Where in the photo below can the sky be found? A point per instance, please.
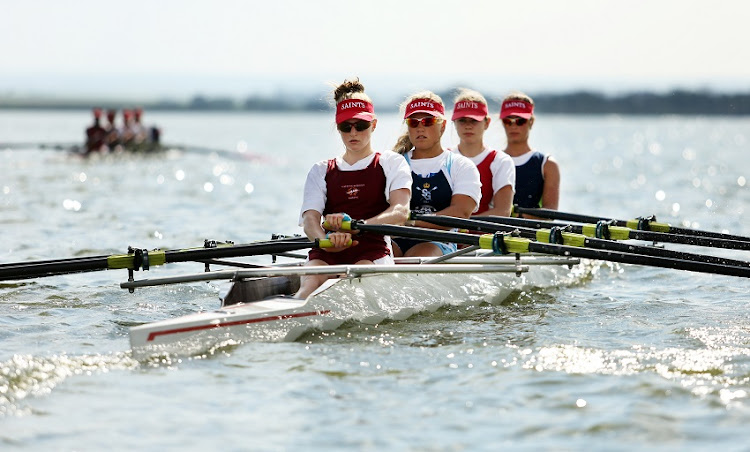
(180, 48)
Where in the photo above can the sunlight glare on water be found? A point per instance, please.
(648, 357)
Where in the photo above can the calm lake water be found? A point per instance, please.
(632, 357)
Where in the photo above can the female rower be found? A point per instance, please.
(366, 185)
(537, 174)
(496, 169)
(444, 183)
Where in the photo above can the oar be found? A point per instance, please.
(568, 235)
(645, 224)
(607, 231)
(505, 243)
(37, 145)
(138, 259)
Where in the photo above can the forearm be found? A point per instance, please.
(396, 214)
(312, 227)
(461, 206)
(502, 203)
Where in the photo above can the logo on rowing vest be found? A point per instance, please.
(427, 192)
(352, 191)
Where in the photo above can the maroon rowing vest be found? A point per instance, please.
(485, 175)
(361, 194)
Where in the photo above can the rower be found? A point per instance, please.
(127, 134)
(369, 185)
(113, 134)
(537, 174)
(496, 169)
(140, 135)
(95, 135)
(444, 183)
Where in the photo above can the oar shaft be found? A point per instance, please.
(419, 233)
(636, 259)
(633, 224)
(496, 225)
(145, 259)
(564, 216)
(197, 254)
(623, 233)
(50, 268)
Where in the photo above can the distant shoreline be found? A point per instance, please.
(679, 102)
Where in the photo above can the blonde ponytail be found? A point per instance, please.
(403, 144)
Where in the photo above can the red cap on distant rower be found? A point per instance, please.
(428, 106)
(126, 113)
(354, 109)
(469, 109)
(111, 114)
(515, 107)
(138, 112)
(97, 112)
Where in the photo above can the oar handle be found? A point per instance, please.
(326, 243)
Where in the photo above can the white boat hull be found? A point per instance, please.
(369, 299)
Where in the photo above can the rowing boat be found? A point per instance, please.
(257, 305)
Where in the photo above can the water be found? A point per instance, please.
(632, 357)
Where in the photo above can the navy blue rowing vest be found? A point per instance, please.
(429, 194)
(529, 182)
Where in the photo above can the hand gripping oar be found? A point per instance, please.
(506, 244)
(643, 224)
(138, 259)
(568, 235)
(606, 230)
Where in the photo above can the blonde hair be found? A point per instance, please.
(463, 94)
(404, 144)
(518, 95)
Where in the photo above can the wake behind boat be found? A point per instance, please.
(260, 308)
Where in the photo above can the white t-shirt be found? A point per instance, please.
(397, 176)
(503, 169)
(462, 173)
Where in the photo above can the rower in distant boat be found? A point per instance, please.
(113, 134)
(127, 132)
(368, 185)
(96, 135)
(496, 169)
(140, 134)
(537, 174)
(444, 183)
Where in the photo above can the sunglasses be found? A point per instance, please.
(516, 121)
(359, 126)
(427, 121)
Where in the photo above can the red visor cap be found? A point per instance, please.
(469, 109)
(354, 109)
(428, 106)
(516, 108)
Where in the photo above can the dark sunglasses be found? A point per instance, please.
(427, 121)
(360, 126)
(516, 121)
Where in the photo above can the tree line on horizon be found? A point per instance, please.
(678, 102)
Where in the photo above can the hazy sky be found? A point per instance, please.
(174, 47)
